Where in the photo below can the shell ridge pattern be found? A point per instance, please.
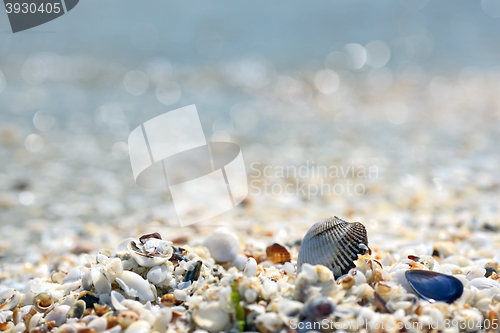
(334, 243)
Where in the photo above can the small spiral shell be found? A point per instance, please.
(43, 301)
(333, 243)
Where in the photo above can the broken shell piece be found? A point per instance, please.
(153, 252)
(77, 309)
(135, 286)
(483, 283)
(76, 274)
(9, 298)
(58, 315)
(193, 274)
(278, 254)
(100, 279)
(144, 238)
(170, 300)
(116, 299)
(34, 320)
(334, 243)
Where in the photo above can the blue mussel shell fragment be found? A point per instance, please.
(433, 286)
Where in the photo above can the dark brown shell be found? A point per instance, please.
(278, 253)
(144, 238)
(334, 243)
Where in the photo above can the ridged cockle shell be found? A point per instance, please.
(333, 243)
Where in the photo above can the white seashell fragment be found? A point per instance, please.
(250, 267)
(122, 248)
(140, 326)
(483, 283)
(476, 273)
(209, 316)
(116, 299)
(88, 319)
(162, 320)
(400, 277)
(114, 267)
(100, 279)
(98, 324)
(223, 245)
(153, 252)
(76, 274)
(333, 243)
(9, 298)
(135, 286)
(35, 320)
(157, 274)
(101, 258)
(39, 285)
(184, 285)
(58, 315)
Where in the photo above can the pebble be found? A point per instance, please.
(223, 245)
(250, 267)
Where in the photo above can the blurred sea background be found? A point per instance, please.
(411, 87)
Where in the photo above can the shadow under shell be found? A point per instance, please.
(433, 286)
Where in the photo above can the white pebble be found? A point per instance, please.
(155, 275)
(251, 295)
(270, 288)
(240, 262)
(180, 294)
(223, 245)
(309, 271)
(179, 270)
(289, 268)
(184, 285)
(250, 267)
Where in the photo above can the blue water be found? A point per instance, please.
(291, 34)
